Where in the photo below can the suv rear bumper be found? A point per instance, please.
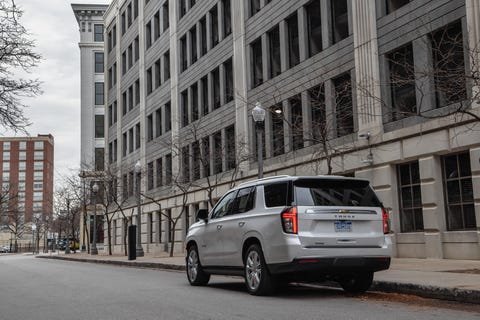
(331, 266)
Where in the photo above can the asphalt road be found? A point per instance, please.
(51, 289)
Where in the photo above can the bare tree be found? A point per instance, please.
(17, 56)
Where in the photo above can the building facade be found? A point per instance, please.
(379, 89)
(92, 100)
(27, 183)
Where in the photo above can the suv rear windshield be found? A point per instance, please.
(333, 192)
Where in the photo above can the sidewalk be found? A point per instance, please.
(457, 280)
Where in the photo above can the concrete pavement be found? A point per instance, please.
(456, 280)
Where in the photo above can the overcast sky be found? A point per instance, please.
(53, 26)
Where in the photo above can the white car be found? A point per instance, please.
(281, 229)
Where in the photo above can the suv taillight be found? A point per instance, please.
(386, 221)
(290, 220)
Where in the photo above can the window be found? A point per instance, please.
(22, 145)
(149, 81)
(184, 102)
(339, 20)
(130, 98)
(276, 195)
(392, 5)
(22, 155)
(166, 65)
(229, 87)
(168, 169)
(230, 152)
(99, 159)
(98, 62)
(314, 21)
(148, 34)
(196, 160)
(402, 83)
(22, 185)
(224, 205)
(99, 126)
(165, 16)
(158, 77)
(38, 165)
(344, 106)
(204, 102)
(159, 172)
(38, 175)
(137, 136)
(156, 25)
(254, 7)
(6, 155)
(130, 56)
(205, 154)
(185, 166)
(217, 152)
(227, 17)
(98, 33)
(182, 8)
(158, 122)
(274, 54)
(193, 44)
(194, 91)
(99, 99)
(317, 105)
(6, 176)
(257, 64)
(203, 36)
(38, 155)
(6, 166)
(449, 64)
(137, 49)
(293, 41)
(124, 103)
(168, 117)
(124, 62)
(411, 213)
(124, 144)
(22, 165)
(183, 54)
(22, 175)
(244, 201)
(150, 127)
(137, 92)
(150, 176)
(459, 192)
(277, 132)
(130, 140)
(216, 88)
(214, 26)
(296, 122)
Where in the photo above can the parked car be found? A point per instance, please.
(73, 244)
(6, 249)
(281, 229)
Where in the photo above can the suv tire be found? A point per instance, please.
(258, 280)
(195, 274)
(358, 283)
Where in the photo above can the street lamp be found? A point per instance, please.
(34, 227)
(93, 249)
(37, 217)
(258, 114)
(139, 249)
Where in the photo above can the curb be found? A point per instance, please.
(424, 291)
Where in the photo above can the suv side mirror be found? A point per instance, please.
(202, 214)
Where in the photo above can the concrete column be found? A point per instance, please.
(221, 32)
(282, 28)
(424, 85)
(199, 40)
(221, 71)
(331, 120)
(326, 17)
(265, 57)
(190, 105)
(473, 28)
(302, 33)
(174, 74)
(189, 49)
(433, 205)
(210, 92)
(307, 120)
(209, 31)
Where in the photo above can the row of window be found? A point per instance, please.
(255, 6)
(195, 101)
(314, 35)
(22, 176)
(157, 26)
(158, 73)
(99, 93)
(159, 172)
(458, 191)
(22, 186)
(22, 145)
(130, 55)
(131, 97)
(131, 140)
(159, 122)
(22, 165)
(194, 43)
(129, 15)
(184, 6)
(22, 155)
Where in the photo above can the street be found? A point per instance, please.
(51, 289)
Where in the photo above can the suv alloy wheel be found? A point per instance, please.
(196, 275)
(257, 277)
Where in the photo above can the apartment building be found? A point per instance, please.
(27, 183)
(92, 100)
(378, 89)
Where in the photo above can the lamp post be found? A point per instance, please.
(34, 227)
(258, 114)
(93, 249)
(138, 172)
(67, 242)
(37, 227)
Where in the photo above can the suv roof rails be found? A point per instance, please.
(264, 179)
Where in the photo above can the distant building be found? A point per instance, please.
(368, 80)
(92, 98)
(27, 168)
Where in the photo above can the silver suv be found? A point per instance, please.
(281, 229)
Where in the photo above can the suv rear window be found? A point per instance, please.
(330, 192)
(276, 195)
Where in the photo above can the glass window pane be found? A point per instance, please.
(469, 216)
(405, 174)
(418, 216)
(451, 170)
(415, 170)
(407, 220)
(453, 192)
(406, 197)
(467, 190)
(464, 164)
(454, 217)
(417, 196)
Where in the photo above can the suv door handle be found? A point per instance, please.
(241, 224)
(219, 226)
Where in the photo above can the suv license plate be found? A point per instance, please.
(343, 226)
